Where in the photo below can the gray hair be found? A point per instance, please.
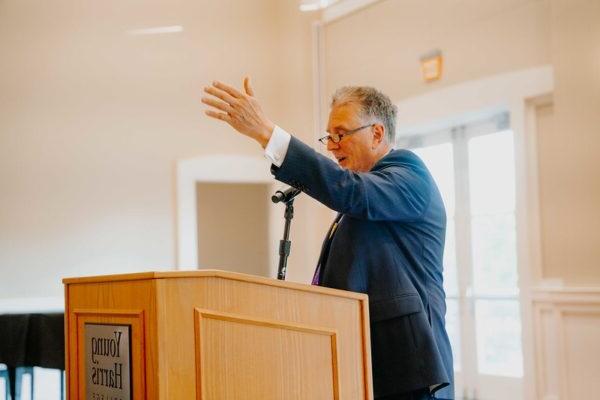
(373, 104)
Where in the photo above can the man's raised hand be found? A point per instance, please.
(240, 110)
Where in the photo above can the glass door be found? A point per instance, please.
(473, 166)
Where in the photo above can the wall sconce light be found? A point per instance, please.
(432, 66)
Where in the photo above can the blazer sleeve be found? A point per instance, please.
(394, 191)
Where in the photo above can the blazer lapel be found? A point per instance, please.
(325, 247)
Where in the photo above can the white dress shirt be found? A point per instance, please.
(277, 146)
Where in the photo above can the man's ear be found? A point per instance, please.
(378, 135)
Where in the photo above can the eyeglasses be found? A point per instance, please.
(337, 137)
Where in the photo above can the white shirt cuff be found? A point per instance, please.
(277, 146)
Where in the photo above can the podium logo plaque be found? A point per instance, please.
(107, 362)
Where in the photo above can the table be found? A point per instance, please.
(31, 340)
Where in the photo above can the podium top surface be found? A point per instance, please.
(208, 273)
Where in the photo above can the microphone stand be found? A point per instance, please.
(285, 244)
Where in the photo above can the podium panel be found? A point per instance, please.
(239, 357)
(214, 335)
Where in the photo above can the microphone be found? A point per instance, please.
(285, 195)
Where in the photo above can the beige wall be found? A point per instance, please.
(570, 192)
(381, 46)
(92, 121)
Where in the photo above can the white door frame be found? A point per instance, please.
(218, 168)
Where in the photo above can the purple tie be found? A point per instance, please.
(315, 279)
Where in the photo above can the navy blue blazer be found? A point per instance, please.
(388, 244)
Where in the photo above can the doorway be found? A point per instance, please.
(233, 227)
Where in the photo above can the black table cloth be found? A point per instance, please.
(31, 340)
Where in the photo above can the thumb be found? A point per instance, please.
(248, 87)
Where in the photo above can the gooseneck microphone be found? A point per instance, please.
(285, 195)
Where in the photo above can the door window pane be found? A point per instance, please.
(494, 255)
(492, 173)
(498, 327)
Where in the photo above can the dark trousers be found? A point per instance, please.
(422, 394)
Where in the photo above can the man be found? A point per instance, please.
(388, 238)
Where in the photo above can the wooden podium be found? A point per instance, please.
(214, 335)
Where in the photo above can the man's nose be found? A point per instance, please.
(332, 146)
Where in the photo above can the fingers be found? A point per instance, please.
(230, 105)
(221, 95)
(217, 115)
(218, 104)
(248, 87)
(229, 89)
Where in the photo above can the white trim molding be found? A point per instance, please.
(559, 315)
(566, 295)
(212, 168)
